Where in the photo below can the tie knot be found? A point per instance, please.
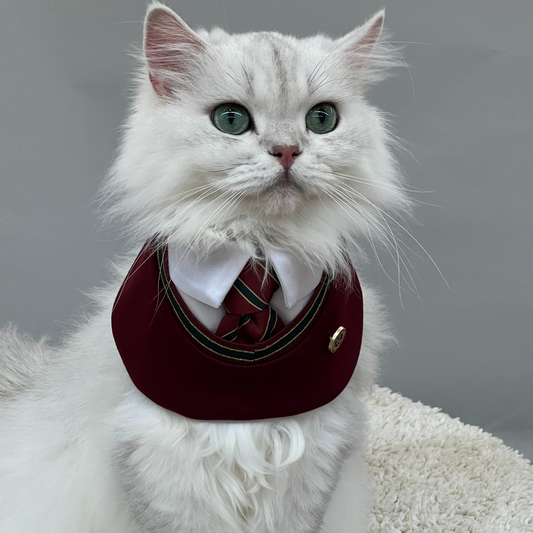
(252, 290)
(249, 318)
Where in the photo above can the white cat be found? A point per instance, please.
(81, 449)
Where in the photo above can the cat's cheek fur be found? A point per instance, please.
(267, 476)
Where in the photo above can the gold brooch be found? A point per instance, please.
(336, 339)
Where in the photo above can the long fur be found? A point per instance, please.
(81, 450)
(178, 177)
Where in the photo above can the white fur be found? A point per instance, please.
(177, 176)
(81, 450)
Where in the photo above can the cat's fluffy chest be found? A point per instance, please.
(265, 476)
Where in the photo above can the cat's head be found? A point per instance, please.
(258, 137)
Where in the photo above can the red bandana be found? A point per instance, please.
(182, 366)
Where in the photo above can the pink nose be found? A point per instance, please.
(287, 155)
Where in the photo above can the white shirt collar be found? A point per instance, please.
(208, 279)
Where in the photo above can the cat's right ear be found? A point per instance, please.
(170, 48)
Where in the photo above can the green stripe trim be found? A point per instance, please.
(272, 319)
(238, 353)
(249, 294)
(233, 334)
(270, 311)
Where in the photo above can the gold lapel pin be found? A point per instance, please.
(336, 339)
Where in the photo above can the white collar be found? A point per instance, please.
(208, 279)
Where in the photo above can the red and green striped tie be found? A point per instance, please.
(249, 318)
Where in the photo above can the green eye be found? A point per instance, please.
(231, 118)
(321, 118)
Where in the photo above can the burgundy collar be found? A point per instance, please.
(182, 366)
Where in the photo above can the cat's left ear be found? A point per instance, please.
(366, 50)
(363, 39)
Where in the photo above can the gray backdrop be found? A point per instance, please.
(464, 106)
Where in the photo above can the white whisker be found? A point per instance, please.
(370, 239)
(390, 217)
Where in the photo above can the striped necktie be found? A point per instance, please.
(249, 318)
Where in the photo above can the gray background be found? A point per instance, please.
(464, 106)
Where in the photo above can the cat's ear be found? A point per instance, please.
(365, 49)
(170, 48)
(363, 39)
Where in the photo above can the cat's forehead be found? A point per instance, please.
(267, 67)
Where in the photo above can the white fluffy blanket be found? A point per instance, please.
(435, 474)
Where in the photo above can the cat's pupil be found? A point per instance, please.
(322, 117)
(231, 116)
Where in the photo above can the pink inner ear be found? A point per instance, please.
(169, 46)
(372, 35)
(360, 43)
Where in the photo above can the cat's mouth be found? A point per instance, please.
(285, 181)
(282, 196)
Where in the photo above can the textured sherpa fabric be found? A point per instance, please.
(435, 474)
